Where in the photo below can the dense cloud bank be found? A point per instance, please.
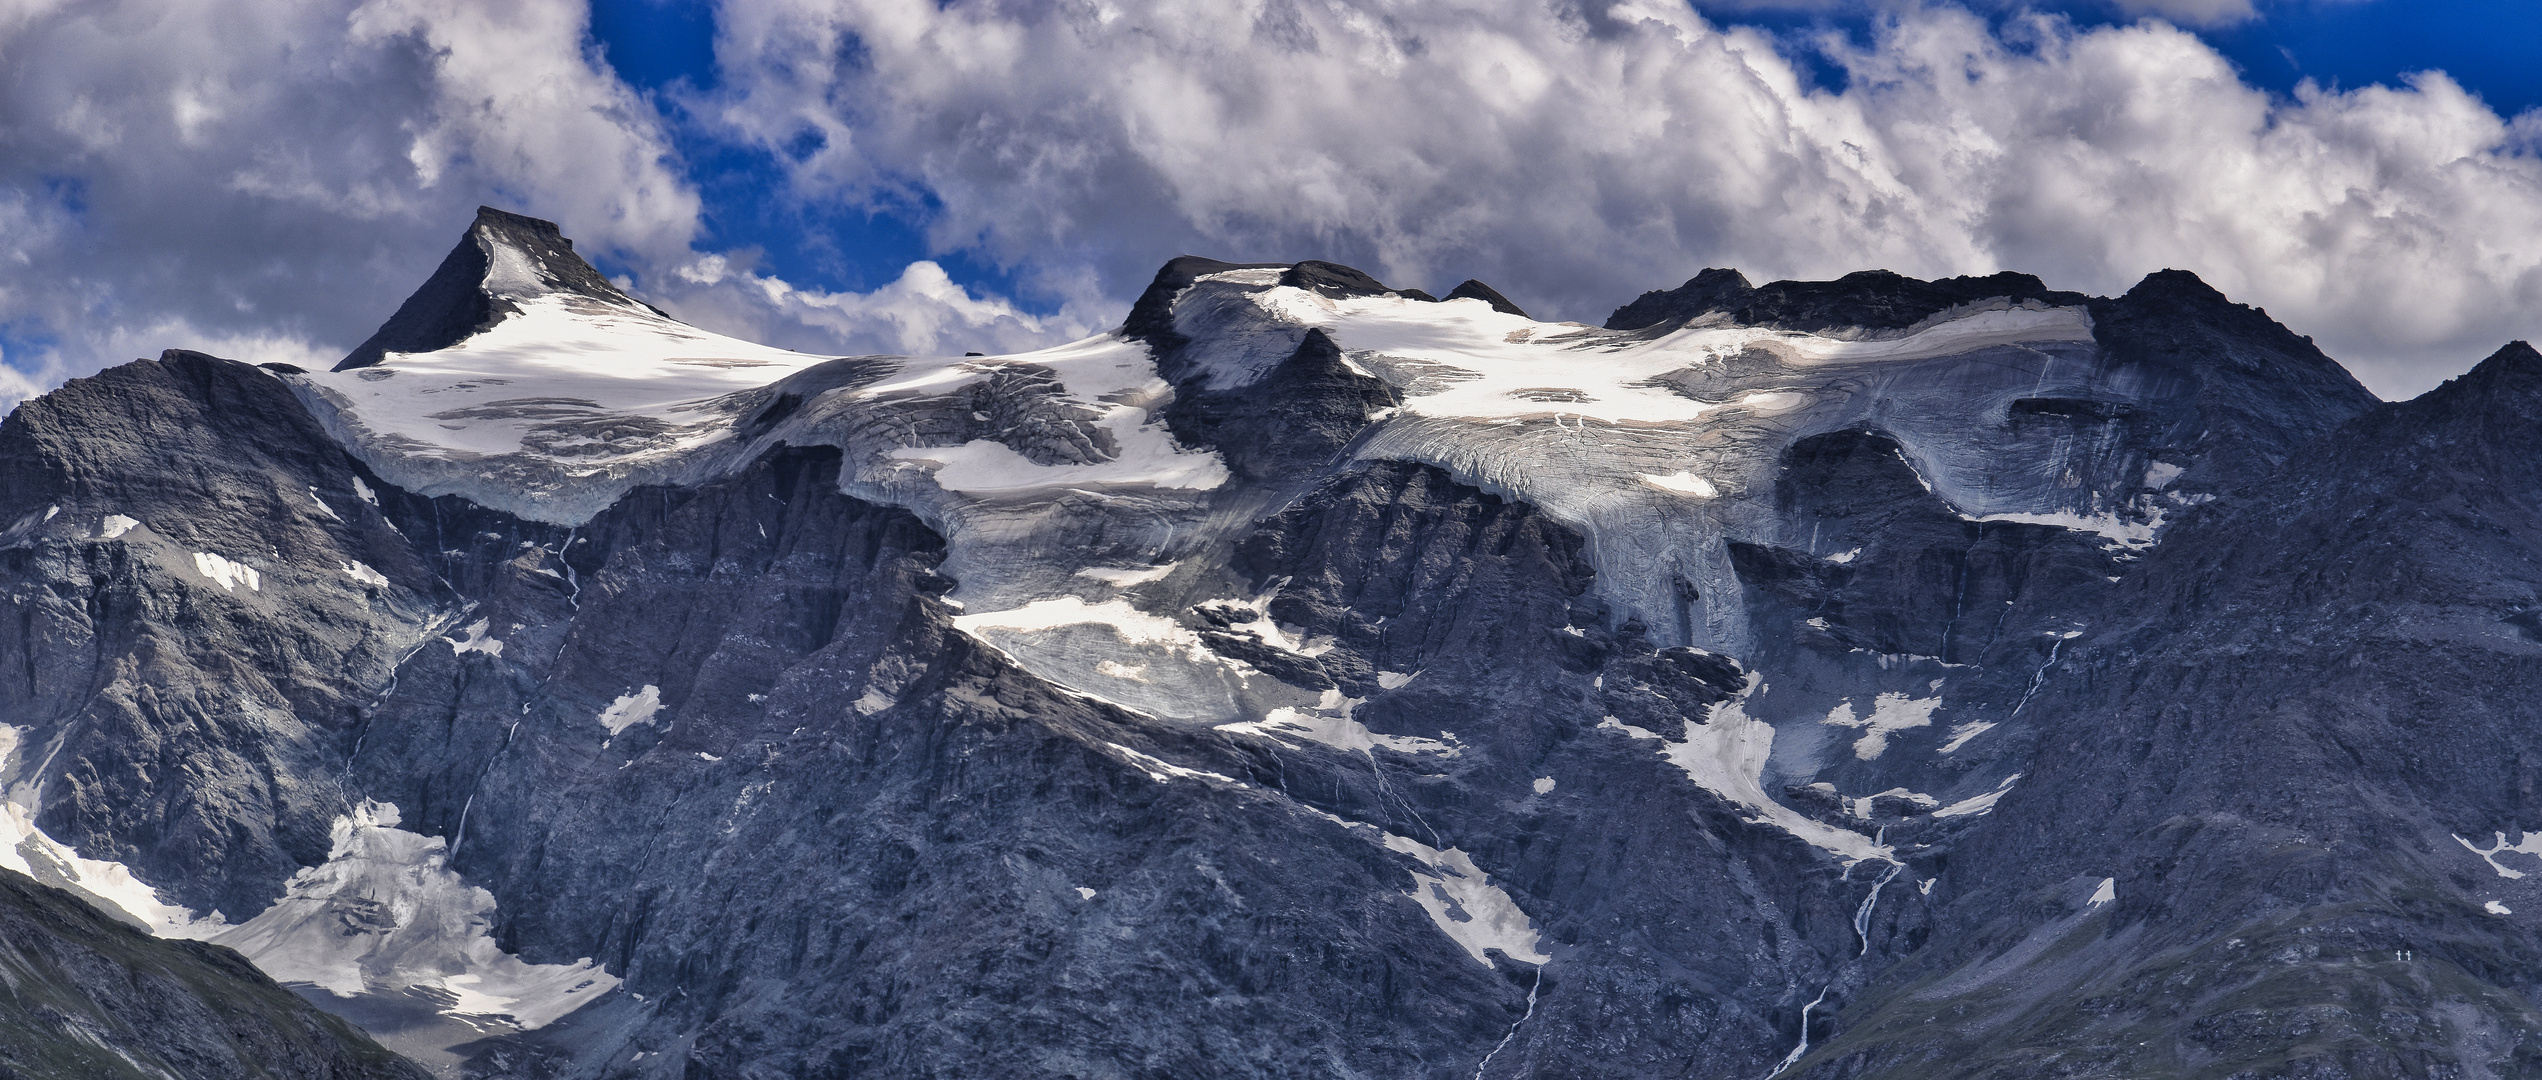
(266, 179)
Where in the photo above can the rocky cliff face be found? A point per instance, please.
(2300, 783)
(1313, 678)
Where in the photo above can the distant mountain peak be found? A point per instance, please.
(504, 258)
(1876, 302)
(1476, 290)
(2507, 384)
(1712, 290)
(2516, 366)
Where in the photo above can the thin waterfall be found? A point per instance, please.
(460, 835)
(1862, 930)
(432, 633)
(1862, 915)
(573, 598)
(1385, 790)
(1803, 1047)
(2037, 678)
(1513, 1028)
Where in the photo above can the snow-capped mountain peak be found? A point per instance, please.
(1806, 678)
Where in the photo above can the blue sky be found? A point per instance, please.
(666, 48)
(268, 178)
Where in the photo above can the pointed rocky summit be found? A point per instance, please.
(1476, 290)
(504, 258)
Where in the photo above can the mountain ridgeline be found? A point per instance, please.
(1875, 678)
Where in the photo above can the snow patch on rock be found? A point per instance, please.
(1468, 907)
(226, 574)
(2111, 527)
(1330, 724)
(1683, 483)
(1981, 804)
(1890, 713)
(385, 913)
(1862, 807)
(1961, 733)
(1133, 625)
(2527, 844)
(1122, 578)
(632, 709)
(1162, 771)
(475, 638)
(1726, 755)
(1461, 900)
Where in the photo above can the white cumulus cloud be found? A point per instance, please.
(268, 180)
(276, 175)
(923, 312)
(266, 175)
(1575, 154)
(2193, 12)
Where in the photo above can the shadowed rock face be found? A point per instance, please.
(1865, 301)
(190, 726)
(1316, 680)
(1713, 290)
(1471, 289)
(2298, 705)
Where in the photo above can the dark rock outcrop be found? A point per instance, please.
(1332, 280)
(1865, 300)
(1712, 290)
(2260, 389)
(1299, 415)
(1471, 289)
(1151, 318)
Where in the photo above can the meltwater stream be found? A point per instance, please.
(1862, 930)
(2037, 678)
(1513, 1028)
